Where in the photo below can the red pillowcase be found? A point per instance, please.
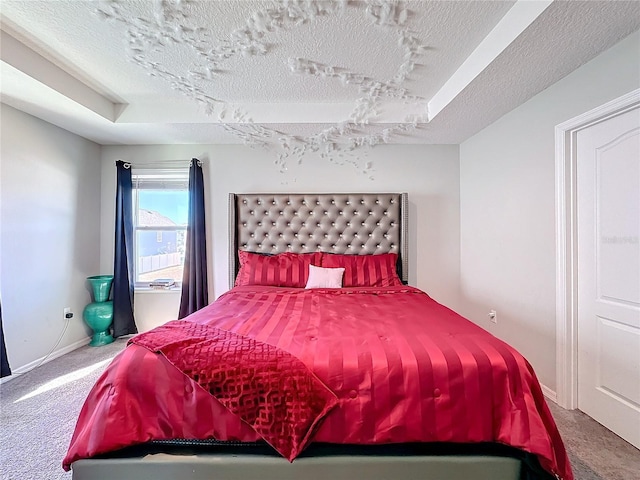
(281, 270)
(365, 270)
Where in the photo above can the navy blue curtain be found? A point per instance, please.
(194, 278)
(5, 370)
(123, 281)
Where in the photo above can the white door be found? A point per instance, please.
(608, 204)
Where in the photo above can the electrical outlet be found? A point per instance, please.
(67, 313)
(493, 316)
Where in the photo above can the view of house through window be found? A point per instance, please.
(160, 211)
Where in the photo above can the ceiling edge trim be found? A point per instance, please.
(510, 27)
(388, 112)
(28, 62)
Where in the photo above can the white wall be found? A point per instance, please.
(50, 234)
(430, 175)
(507, 202)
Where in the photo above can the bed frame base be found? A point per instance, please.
(218, 466)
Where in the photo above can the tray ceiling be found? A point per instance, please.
(303, 75)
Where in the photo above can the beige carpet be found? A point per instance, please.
(595, 452)
(39, 410)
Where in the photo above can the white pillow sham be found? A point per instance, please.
(320, 277)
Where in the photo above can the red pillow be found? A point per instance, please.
(281, 270)
(365, 270)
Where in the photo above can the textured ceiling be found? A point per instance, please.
(300, 75)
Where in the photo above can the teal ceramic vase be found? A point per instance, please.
(99, 313)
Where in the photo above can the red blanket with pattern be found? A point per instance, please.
(268, 388)
(403, 368)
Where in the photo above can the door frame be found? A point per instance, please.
(567, 246)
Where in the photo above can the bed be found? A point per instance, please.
(367, 377)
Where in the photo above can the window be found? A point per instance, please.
(160, 211)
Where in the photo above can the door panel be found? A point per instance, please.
(613, 370)
(617, 223)
(608, 199)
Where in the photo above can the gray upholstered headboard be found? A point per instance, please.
(348, 223)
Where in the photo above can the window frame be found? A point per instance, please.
(169, 178)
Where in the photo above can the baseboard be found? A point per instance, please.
(550, 394)
(55, 354)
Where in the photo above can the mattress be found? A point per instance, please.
(401, 368)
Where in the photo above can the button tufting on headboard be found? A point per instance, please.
(304, 223)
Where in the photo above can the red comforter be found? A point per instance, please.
(403, 368)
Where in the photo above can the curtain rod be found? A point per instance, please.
(160, 163)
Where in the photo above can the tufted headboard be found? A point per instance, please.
(347, 223)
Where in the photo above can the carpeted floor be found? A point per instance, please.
(595, 452)
(38, 411)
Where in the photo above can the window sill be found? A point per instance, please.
(146, 290)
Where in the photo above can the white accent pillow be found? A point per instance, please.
(324, 277)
